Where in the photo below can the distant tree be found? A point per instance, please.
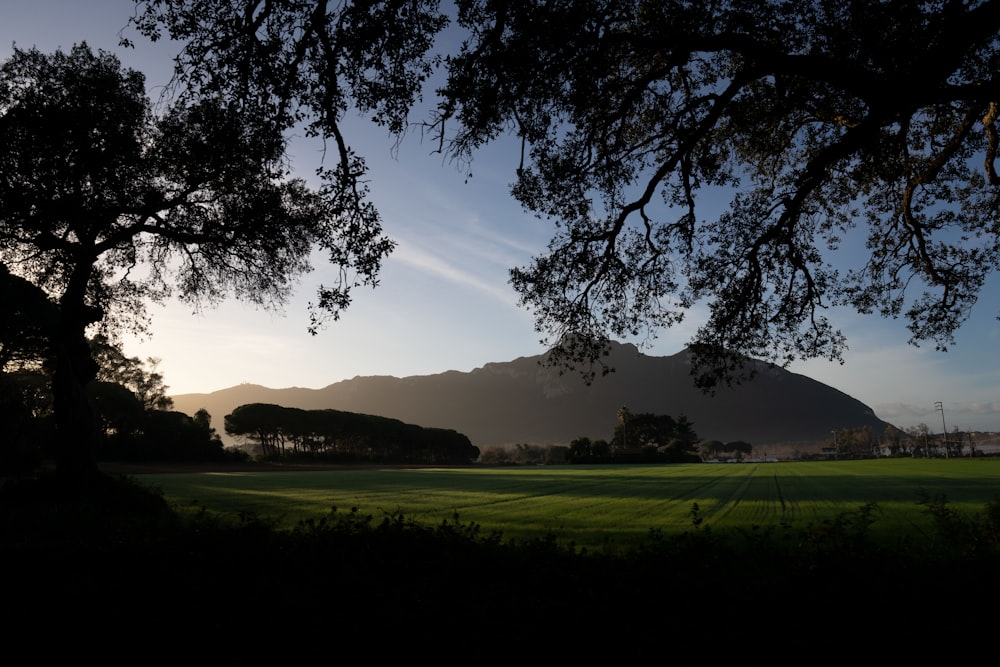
(263, 424)
(655, 437)
(855, 443)
(740, 448)
(684, 429)
(710, 449)
(119, 411)
(204, 421)
(138, 376)
(895, 441)
(714, 449)
(600, 449)
(956, 442)
(93, 185)
(495, 455)
(580, 450)
(175, 436)
(623, 417)
(528, 454)
(557, 454)
(282, 432)
(641, 430)
(919, 437)
(678, 450)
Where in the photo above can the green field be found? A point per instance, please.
(600, 506)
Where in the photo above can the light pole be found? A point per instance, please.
(944, 431)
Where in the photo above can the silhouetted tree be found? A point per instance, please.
(600, 449)
(138, 376)
(895, 441)
(26, 426)
(855, 443)
(644, 430)
(28, 322)
(623, 417)
(335, 434)
(580, 449)
(93, 184)
(711, 449)
(167, 435)
(119, 411)
(739, 448)
(656, 437)
(817, 120)
(26, 325)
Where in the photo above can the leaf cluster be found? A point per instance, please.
(812, 119)
(105, 205)
(737, 157)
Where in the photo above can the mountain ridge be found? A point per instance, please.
(524, 401)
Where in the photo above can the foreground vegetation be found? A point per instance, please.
(118, 559)
(114, 557)
(612, 506)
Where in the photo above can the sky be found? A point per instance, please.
(444, 301)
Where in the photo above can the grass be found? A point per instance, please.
(606, 506)
(111, 562)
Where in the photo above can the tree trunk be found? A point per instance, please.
(76, 424)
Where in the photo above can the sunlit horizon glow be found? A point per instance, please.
(444, 301)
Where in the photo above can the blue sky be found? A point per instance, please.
(444, 302)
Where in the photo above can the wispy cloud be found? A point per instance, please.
(438, 267)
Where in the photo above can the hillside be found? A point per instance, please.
(521, 401)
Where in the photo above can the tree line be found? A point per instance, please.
(638, 438)
(278, 432)
(912, 442)
(826, 124)
(134, 419)
(651, 438)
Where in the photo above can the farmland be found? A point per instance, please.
(216, 560)
(605, 506)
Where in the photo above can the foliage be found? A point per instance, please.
(855, 443)
(293, 64)
(827, 126)
(639, 438)
(525, 454)
(815, 120)
(28, 323)
(649, 437)
(360, 572)
(25, 404)
(138, 376)
(167, 436)
(95, 185)
(334, 435)
(129, 404)
(965, 534)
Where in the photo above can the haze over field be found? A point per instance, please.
(444, 302)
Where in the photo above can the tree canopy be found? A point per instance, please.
(105, 205)
(824, 125)
(335, 435)
(29, 319)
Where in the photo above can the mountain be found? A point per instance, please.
(522, 401)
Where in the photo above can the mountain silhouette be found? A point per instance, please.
(524, 401)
